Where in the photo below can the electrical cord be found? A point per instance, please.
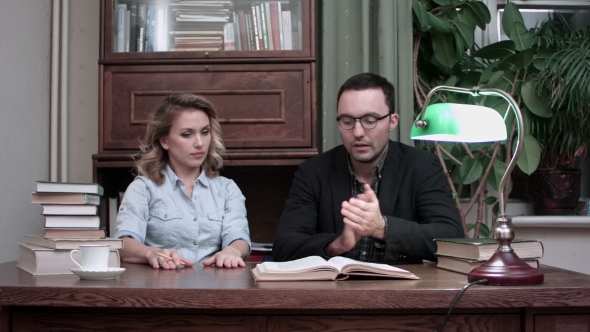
(482, 281)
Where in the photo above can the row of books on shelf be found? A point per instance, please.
(206, 26)
(72, 219)
(463, 255)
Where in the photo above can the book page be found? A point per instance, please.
(341, 263)
(311, 263)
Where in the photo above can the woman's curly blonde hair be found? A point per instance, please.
(153, 158)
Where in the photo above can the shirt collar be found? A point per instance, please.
(202, 179)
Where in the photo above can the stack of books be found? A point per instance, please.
(463, 255)
(261, 252)
(71, 220)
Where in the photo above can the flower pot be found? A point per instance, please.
(555, 191)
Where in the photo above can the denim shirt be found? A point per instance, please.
(164, 216)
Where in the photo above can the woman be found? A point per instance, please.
(178, 205)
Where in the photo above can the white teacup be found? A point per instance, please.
(94, 257)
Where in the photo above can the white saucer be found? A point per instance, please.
(110, 273)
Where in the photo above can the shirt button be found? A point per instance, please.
(194, 219)
(195, 242)
(196, 198)
(363, 253)
(165, 216)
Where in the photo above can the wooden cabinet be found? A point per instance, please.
(262, 81)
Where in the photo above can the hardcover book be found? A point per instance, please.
(483, 249)
(65, 198)
(41, 241)
(69, 209)
(44, 261)
(317, 268)
(74, 233)
(72, 221)
(466, 265)
(70, 187)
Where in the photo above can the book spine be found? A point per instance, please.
(133, 26)
(141, 19)
(127, 29)
(160, 23)
(229, 43)
(254, 23)
(237, 36)
(122, 13)
(149, 29)
(287, 37)
(250, 32)
(243, 33)
(260, 11)
(275, 25)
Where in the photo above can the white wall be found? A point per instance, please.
(25, 58)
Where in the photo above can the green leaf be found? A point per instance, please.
(523, 59)
(466, 32)
(530, 156)
(540, 60)
(488, 72)
(471, 170)
(510, 17)
(484, 230)
(496, 209)
(496, 76)
(521, 36)
(444, 49)
(460, 47)
(451, 81)
(495, 176)
(538, 105)
(421, 16)
(438, 24)
(490, 200)
(446, 2)
(483, 9)
(497, 50)
(465, 16)
(481, 17)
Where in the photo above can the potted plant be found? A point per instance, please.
(565, 78)
(546, 71)
(443, 41)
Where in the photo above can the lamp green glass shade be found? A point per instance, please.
(447, 122)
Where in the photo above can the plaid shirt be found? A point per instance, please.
(368, 249)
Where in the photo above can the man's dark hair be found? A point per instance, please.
(367, 81)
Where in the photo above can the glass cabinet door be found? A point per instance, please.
(184, 27)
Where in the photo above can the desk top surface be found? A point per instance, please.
(214, 288)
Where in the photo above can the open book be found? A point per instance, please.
(317, 268)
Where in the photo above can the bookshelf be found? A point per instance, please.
(265, 92)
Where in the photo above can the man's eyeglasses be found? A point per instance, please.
(367, 121)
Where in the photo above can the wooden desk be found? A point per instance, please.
(211, 299)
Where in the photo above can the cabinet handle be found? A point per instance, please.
(206, 68)
(206, 54)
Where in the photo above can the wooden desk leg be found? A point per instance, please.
(5, 323)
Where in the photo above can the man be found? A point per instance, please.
(369, 199)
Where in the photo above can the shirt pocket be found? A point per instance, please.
(214, 227)
(165, 226)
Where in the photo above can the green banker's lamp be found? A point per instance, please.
(449, 122)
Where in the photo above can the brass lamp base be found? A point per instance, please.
(505, 269)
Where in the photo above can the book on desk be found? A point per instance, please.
(47, 261)
(463, 254)
(317, 268)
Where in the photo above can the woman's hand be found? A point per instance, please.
(229, 257)
(157, 261)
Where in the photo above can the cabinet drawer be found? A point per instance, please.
(260, 106)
